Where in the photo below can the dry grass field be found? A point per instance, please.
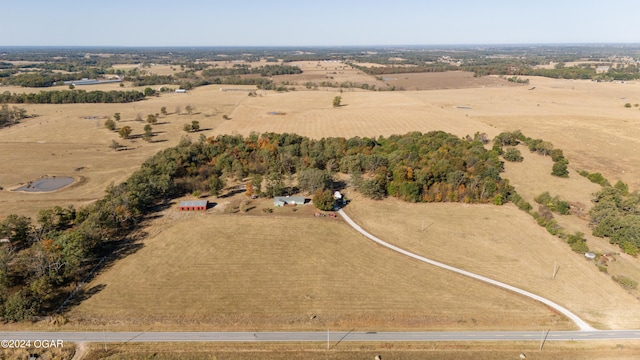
(70, 140)
(505, 244)
(240, 272)
(621, 350)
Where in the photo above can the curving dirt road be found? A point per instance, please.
(582, 325)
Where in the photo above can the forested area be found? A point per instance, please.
(72, 97)
(616, 215)
(43, 259)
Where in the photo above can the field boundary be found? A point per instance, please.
(582, 325)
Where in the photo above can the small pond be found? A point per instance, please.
(46, 184)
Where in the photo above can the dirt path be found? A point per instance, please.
(582, 325)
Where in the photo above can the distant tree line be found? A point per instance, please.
(72, 97)
(239, 69)
(46, 79)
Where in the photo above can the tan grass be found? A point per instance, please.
(248, 272)
(70, 140)
(613, 350)
(506, 244)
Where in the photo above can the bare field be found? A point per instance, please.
(205, 271)
(444, 80)
(505, 244)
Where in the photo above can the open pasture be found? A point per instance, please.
(505, 244)
(70, 140)
(328, 71)
(362, 113)
(235, 272)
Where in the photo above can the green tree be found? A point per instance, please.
(116, 116)
(149, 91)
(186, 127)
(125, 132)
(216, 184)
(323, 200)
(560, 169)
(152, 119)
(312, 180)
(163, 110)
(336, 101)
(513, 154)
(189, 109)
(110, 124)
(148, 133)
(195, 126)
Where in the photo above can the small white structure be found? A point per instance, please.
(337, 195)
(181, 91)
(590, 255)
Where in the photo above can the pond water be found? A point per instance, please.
(46, 184)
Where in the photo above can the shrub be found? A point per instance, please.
(560, 169)
(627, 105)
(110, 124)
(513, 154)
(625, 282)
(598, 179)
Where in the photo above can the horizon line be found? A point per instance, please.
(332, 46)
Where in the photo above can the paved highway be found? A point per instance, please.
(334, 337)
(582, 325)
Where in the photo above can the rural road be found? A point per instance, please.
(333, 337)
(582, 325)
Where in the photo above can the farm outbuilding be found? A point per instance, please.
(288, 200)
(194, 205)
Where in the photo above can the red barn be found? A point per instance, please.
(194, 205)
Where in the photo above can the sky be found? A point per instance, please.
(316, 23)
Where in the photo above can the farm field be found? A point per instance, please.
(239, 272)
(444, 80)
(506, 244)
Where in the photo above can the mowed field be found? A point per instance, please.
(506, 244)
(238, 272)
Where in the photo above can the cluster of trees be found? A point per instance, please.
(554, 203)
(540, 146)
(383, 70)
(11, 115)
(72, 97)
(616, 215)
(342, 85)
(46, 79)
(239, 69)
(595, 178)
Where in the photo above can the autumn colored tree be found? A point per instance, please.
(125, 132)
